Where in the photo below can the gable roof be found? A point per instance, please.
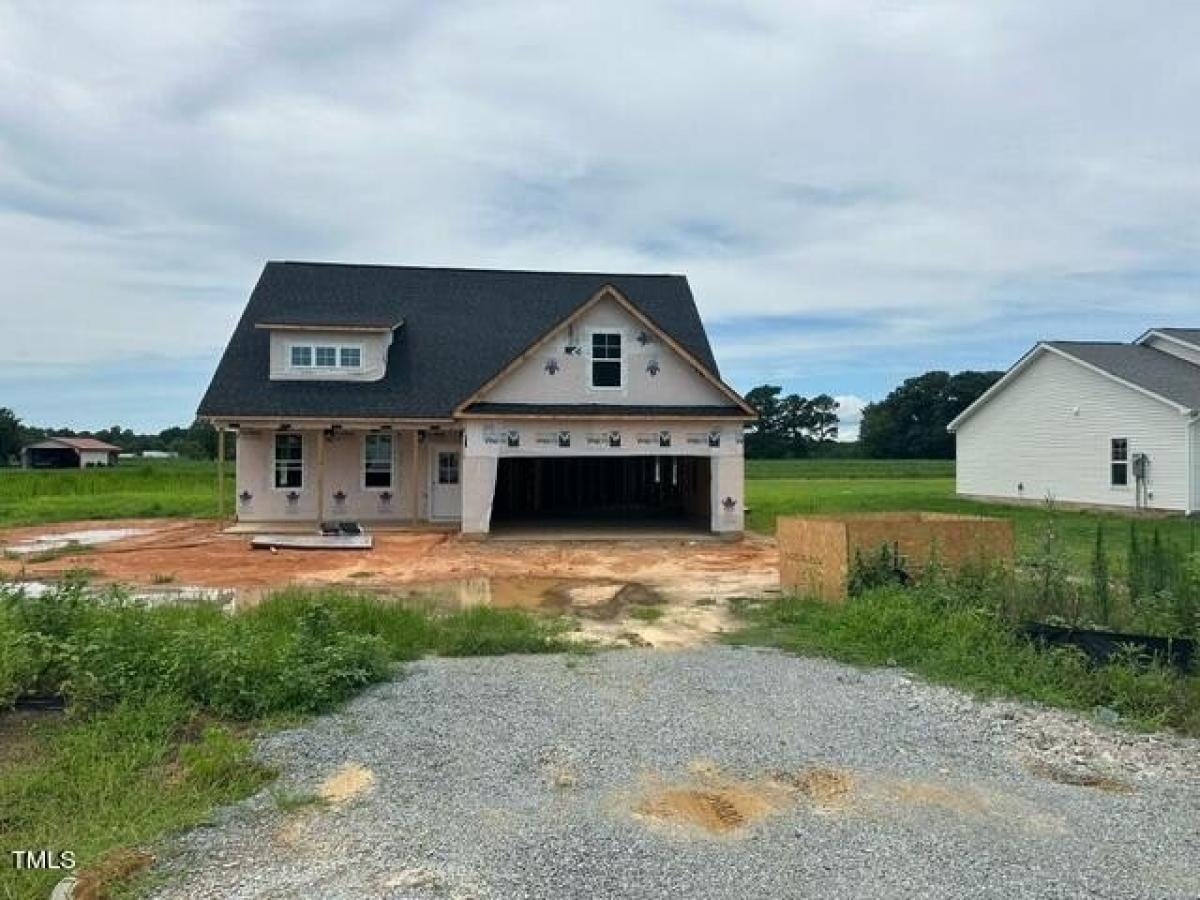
(1183, 335)
(461, 327)
(1153, 372)
(75, 443)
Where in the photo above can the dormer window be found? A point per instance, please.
(606, 359)
(325, 356)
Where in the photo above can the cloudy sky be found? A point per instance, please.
(858, 191)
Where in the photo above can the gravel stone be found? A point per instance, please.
(520, 777)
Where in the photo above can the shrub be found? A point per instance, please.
(299, 652)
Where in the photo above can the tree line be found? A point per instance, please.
(195, 441)
(909, 423)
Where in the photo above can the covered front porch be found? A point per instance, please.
(384, 475)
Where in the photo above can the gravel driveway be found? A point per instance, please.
(714, 772)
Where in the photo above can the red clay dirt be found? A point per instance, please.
(196, 552)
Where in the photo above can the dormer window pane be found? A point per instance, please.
(351, 357)
(326, 356)
(301, 356)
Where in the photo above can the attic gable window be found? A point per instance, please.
(606, 359)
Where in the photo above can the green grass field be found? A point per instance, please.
(849, 468)
(804, 493)
(128, 490)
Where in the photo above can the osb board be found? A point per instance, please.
(956, 540)
(812, 556)
(815, 551)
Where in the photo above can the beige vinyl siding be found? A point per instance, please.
(1050, 430)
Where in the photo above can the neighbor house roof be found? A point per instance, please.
(461, 327)
(1186, 335)
(1159, 373)
(1154, 372)
(75, 443)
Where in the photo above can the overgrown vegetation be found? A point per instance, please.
(954, 638)
(162, 701)
(965, 627)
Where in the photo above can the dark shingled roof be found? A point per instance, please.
(1188, 335)
(1153, 370)
(461, 328)
(605, 409)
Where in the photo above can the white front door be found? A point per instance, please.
(445, 491)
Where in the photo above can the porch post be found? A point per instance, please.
(220, 473)
(414, 476)
(320, 476)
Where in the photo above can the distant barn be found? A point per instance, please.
(69, 453)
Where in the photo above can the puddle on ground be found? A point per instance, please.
(88, 537)
(165, 595)
(593, 599)
(623, 613)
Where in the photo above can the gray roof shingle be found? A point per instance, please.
(1188, 335)
(461, 328)
(1153, 370)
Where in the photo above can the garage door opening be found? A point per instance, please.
(635, 493)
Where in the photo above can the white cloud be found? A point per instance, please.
(924, 174)
(850, 410)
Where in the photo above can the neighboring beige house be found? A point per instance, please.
(69, 453)
(389, 394)
(1097, 424)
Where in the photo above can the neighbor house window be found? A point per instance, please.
(377, 461)
(606, 359)
(301, 356)
(1119, 464)
(351, 357)
(289, 460)
(327, 357)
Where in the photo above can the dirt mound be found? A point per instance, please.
(346, 783)
(824, 788)
(718, 809)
